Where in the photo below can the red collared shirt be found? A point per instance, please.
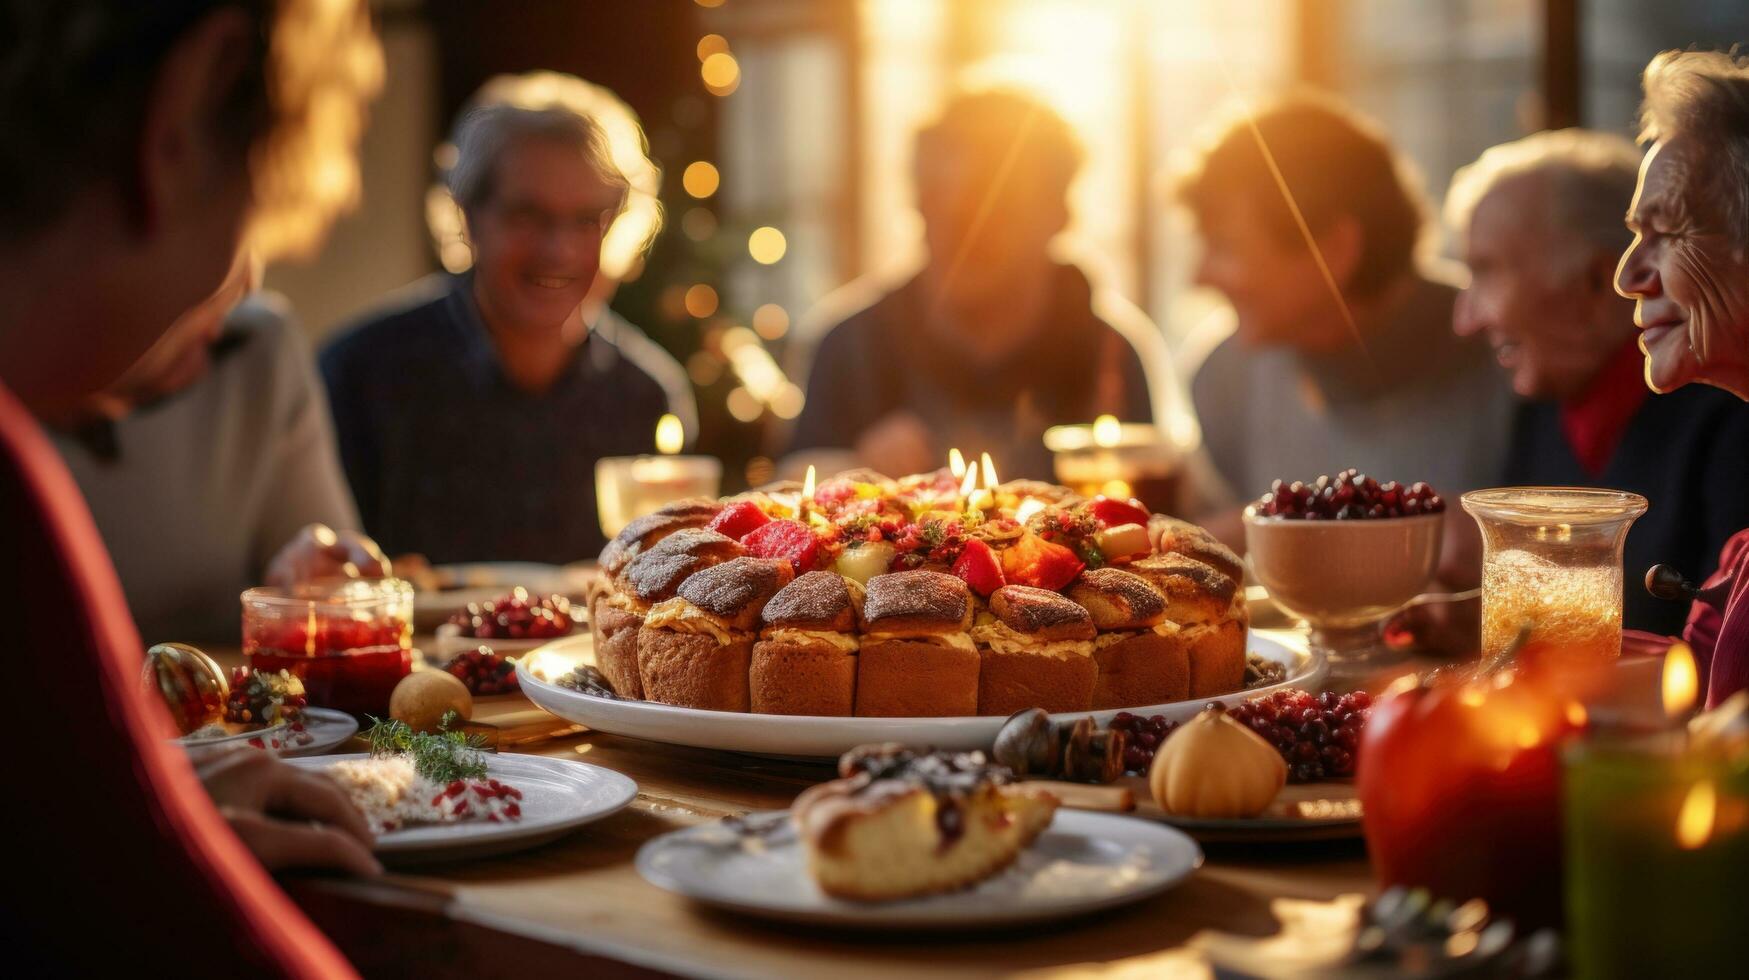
(1595, 421)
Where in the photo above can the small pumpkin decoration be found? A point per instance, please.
(1214, 767)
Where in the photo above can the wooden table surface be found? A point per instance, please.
(581, 894)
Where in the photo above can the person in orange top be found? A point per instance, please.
(1688, 273)
(139, 137)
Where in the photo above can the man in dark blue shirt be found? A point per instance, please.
(470, 416)
(1539, 221)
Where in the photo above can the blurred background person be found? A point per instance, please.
(1538, 222)
(210, 467)
(470, 413)
(1687, 270)
(1339, 351)
(139, 139)
(994, 340)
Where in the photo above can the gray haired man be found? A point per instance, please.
(471, 413)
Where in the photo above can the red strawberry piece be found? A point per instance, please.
(1112, 512)
(789, 540)
(739, 520)
(979, 569)
(1039, 563)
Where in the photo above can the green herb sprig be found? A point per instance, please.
(443, 757)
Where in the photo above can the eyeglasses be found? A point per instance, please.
(528, 220)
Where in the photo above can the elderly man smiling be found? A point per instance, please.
(1539, 224)
(470, 416)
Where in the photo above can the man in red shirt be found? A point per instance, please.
(138, 139)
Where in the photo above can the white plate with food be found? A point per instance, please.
(556, 797)
(821, 737)
(322, 730)
(1082, 863)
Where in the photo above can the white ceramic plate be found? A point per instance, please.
(327, 728)
(558, 795)
(1083, 863)
(330, 729)
(818, 737)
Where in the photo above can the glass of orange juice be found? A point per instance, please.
(1552, 568)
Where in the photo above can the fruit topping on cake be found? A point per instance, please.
(791, 541)
(979, 568)
(1042, 564)
(902, 824)
(1111, 512)
(739, 519)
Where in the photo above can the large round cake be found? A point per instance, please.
(908, 597)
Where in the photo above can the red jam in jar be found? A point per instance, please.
(350, 642)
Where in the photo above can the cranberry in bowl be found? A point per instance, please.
(1344, 554)
(350, 641)
(515, 622)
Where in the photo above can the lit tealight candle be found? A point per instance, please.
(1117, 459)
(628, 487)
(1657, 835)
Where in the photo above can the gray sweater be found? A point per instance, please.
(1421, 404)
(209, 483)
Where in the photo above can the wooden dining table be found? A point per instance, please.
(579, 902)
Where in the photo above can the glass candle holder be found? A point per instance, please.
(1657, 843)
(628, 487)
(1117, 459)
(349, 641)
(1551, 564)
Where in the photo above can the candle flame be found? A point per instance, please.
(670, 435)
(990, 481)
(1576, 715)
(1694, 825)
(956, 463)
(1681, 680)
(970, 483)
(1107, 431)
(808, 484)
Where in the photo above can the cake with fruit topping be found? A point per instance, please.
(900, 824)
(1208, 619)
(917, 660)
(1137, 651)
(1035, 650)
(805, 662)
(888, 581)
(695, 649)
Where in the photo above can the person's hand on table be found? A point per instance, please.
(288, 817)
(318, 551)
(898, 443)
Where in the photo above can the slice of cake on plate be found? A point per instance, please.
(901, 824)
